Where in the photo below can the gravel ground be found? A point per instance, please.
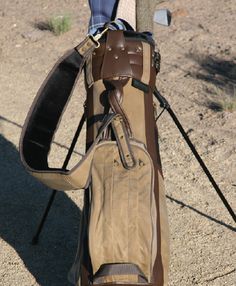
(198, 67)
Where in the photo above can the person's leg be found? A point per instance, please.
(102, 11)
(126, 10)
(138, 13)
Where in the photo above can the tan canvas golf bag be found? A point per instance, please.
(124, 234)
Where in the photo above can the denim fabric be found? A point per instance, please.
(103, 11)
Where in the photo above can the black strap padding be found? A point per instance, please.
(140, 85)
(47, 109)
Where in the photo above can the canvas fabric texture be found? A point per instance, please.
(137, 105)
(121, 225)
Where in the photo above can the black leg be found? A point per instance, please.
(44, 217)
(165, 104)
(54, 192)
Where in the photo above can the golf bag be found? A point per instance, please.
(124, 237)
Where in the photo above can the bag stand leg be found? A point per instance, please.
(54, 192)
(164, 103)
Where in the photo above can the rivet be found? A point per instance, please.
(139, 49)
(94, 53)
(116, 57)
(109, 49)
(141, 163)
(122, 48)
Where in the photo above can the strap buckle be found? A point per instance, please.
(98, 37)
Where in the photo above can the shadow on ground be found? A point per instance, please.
(183, 205)
(221, 73)
(22, 201)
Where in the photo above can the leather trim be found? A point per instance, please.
(116, 107)
(129, 62)
(158, 271)
(133, 105)
(115, 56)
(123, 142)
(146, 63)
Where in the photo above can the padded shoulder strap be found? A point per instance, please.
(79, 176)
(47, 109)
(44, 117)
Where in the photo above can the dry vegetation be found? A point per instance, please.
(59, 24)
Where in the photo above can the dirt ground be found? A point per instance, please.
(198, 68)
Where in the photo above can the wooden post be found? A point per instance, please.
(144, 14)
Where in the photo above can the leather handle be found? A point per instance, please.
(115, 97)
(123, 142)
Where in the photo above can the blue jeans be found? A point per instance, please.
(102, 11)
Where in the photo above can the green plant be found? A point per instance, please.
(229, 104)
(223, 102)
(59, 24)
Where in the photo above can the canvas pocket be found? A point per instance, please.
(123, 212)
